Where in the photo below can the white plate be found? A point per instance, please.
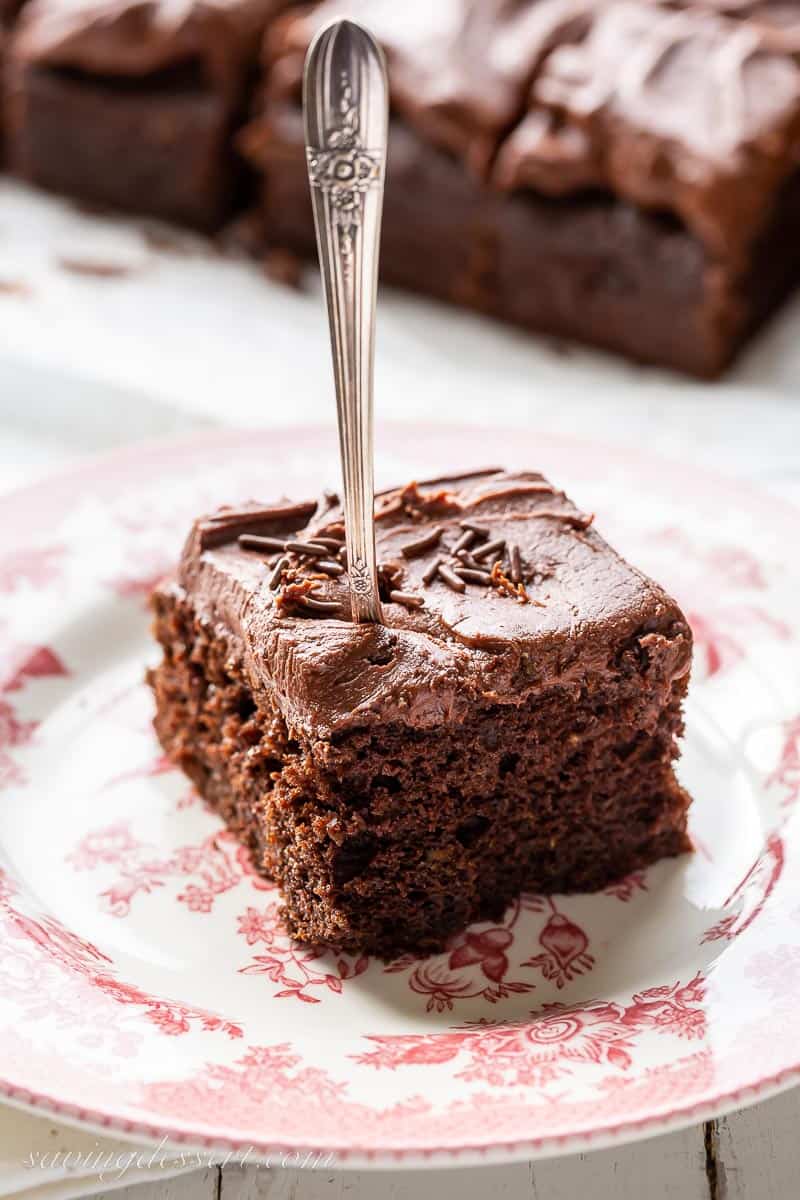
(145, 984)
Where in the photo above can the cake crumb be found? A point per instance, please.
(95, 267)
(15, 287)
(281, 266)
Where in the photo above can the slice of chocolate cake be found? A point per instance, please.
(512, 725)
(131, 104)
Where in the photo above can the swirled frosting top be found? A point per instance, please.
(530, 598)
(142, 37)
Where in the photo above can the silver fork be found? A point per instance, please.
(346, 106)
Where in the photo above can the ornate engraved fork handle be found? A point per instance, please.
(345, 104)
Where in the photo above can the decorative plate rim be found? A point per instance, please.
(619, 1133)
(226, 437)
(495, 1150)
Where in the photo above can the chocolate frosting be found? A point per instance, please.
(587, 613)
(673, 109)
(459, 69)
(140, 37)
(692, 108)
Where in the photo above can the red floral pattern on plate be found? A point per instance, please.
(547, 1046)
(73, 956)
(168, 997)
(17, 668)
(299, 970)
(718, 640)
(30, 662)
(751, 895)
(206, 871)
(36, 567)
(140, 577)
(787, 773)
(565, 949)
(13, 733)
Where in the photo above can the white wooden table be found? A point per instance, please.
(184, 340)
(751, 1155)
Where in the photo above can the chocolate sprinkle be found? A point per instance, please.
(489, 549)
(432, 571)
(328, 566)
(471, 576)
(274, 512)
(450, 578)
(326, 606)
(252, 541)
(420, 545)
(330, 543)
(516, 563)
(277, 574)
(407, 599)
(479, 530)
(229, 523)
(466, 559)
(98, 268)
(312, 549)
(465, 541)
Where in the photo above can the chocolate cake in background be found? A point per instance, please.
(134, 103)
(624, 173)
(9, 12)
(621, 172)
(512, 725)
